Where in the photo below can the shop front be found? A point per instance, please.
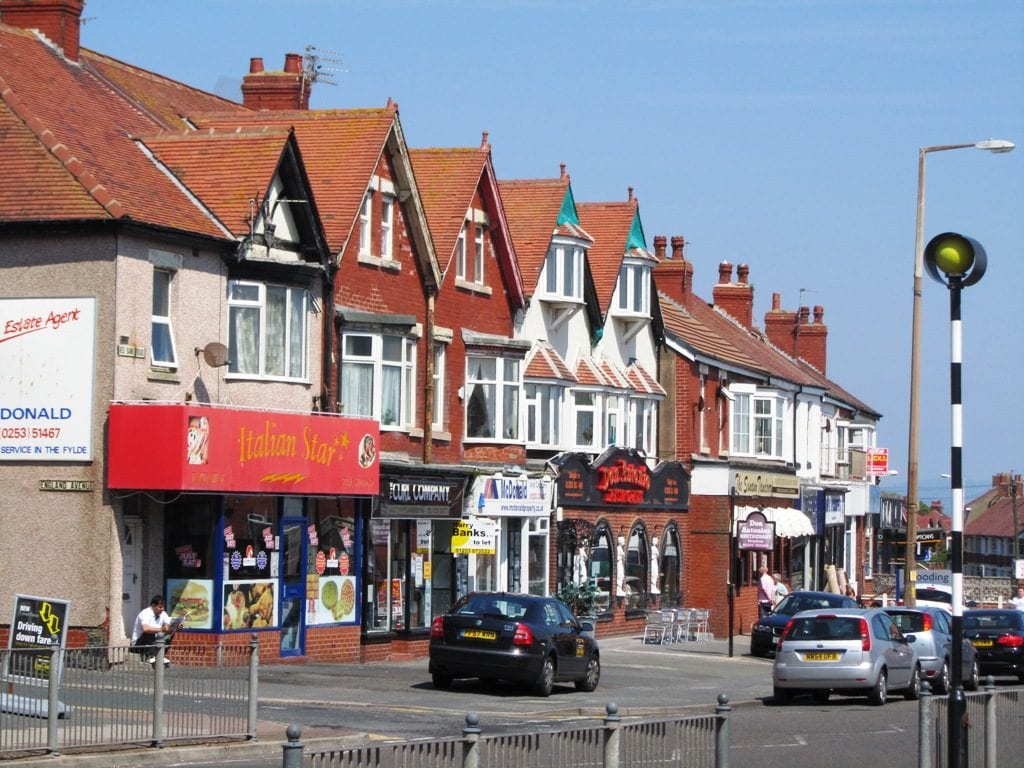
(253, 518)
(619, 527)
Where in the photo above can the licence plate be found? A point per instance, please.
(821, 656)
(775, 640)
(479, 634)
(982, 643)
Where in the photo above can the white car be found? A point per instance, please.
(938, 596)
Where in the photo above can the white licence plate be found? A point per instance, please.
(775, 639)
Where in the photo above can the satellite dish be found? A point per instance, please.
(215, 354)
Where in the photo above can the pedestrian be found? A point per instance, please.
(1018, 601)
(152, 624)
(765, 591)
(781, 590)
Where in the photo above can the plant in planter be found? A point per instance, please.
(580, 598)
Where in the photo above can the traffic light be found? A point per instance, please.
(952, 254)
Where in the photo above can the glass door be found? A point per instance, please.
(293, 586)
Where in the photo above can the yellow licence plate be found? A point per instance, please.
(479, 634)
(982, 643)
(821, 656)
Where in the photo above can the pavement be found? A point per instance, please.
(706, 666)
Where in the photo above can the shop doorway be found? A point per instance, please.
(293, 586)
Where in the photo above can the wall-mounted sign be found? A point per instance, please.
(877, 462)
(47, 361)
(228, 450)
(410, 496)
(765, 484)
(510, 496)
(620, 477)
(38, 625)
(755, 533)
(474, 537)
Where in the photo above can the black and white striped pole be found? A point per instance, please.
(956, 261)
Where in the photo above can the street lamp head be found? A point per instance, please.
(996, 146)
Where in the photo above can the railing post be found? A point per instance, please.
(611, 735)
(291, 750)
(254, 678)
(471, 741)
(722, 731)
(990, 723)
(925, 728)
(158, 693)
(53, 700)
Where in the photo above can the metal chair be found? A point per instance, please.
(683, 624)
(700, 624)
(658, 629)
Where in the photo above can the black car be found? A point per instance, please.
(998, 636)
(765, 632)
(523, 638)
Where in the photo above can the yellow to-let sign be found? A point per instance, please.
(473, 537)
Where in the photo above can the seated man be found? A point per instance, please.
(152, 623)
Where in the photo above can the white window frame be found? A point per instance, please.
(440, 359)
(365, 232)
(163, 281)
(404, 365)
(643, 418)
(387, 226)
(505, 389)
(635, 289)
(615, 421)
(582, 410)
(292, 358)
(478, 257)
(758, 424)
(543, 407)
(460, 254)
(563, 272)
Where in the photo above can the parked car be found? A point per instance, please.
(998, 636)
(765, 632)
(930, 631)
(937, 596)
(522, 638)
(849, 651)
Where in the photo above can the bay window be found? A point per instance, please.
(644, 417)
(267, 329)
(586, 418)
(757, 425)
(544, 414)
(492, 401)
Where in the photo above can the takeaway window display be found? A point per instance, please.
(189, 561)
(332, 563)
(251, 562)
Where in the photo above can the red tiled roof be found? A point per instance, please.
(340, 150)
(531, 208)
(87, 126)
(613, 376)
(994, 519)
(588, 373)
(544, 362)
(642, 382)
(447, 180)
(609, 224)
(226, 170)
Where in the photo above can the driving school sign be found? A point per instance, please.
(39, 624)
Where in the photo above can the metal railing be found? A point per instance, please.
(699, 741)
(54, 700)
(992, 735)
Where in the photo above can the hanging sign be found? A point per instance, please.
(755, 534)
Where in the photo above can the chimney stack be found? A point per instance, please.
(59, 20)
(796, 335)
(736, 299)
(673, 275)
(283, 89)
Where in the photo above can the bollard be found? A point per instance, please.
(158, 694)
(611, 735)
(722, 731)
(471, 741)
(991, 756)
(925, 728)
(291, 750)
(254, 677)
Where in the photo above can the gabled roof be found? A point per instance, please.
(536, 210)
(643, 382)
(86, 165)
(544, 362)
(448, 179)
(617, 233)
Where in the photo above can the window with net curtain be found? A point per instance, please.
(492, 402)
(267, 329)
(389, 359)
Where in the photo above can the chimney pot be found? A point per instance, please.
(255, 65)
(677, 247)
(743, 271)
(819, 313)
(561, 174)
(292, 63)
(725, 272)
(659, 247)
(776, 302)
(629, 196)
(483, 140)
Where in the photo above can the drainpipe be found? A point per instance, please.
(428, 390)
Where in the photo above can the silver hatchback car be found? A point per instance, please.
(930, 631)
(849, 651)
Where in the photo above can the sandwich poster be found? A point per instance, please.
(190, 600)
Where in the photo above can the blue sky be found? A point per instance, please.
(779, 133)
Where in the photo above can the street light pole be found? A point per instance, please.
(994, 146)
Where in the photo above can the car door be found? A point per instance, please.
(942, 630)
(899, 656)
(564, 633)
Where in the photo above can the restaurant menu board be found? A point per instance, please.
(39, 624)
(191, 599)
(336, 600)
(249, 604)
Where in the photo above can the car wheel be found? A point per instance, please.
(820, 697)
(913, 692)
(781, 696)
(444, 682)
(942, 679)
(973, 680)
(589, 682)
(880, 691)
(546, 680)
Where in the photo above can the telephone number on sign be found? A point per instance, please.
(37, 433)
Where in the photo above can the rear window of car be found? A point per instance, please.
(813, 628)
(935, 595)
(909, 622)
(795, 603)
(994, 621)
(490, 605)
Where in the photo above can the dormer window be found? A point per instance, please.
(635, 289)
(563, 272)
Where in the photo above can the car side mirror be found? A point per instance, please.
(587, 626)
(910, 638)
(971, 603)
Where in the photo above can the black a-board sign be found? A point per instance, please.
(38, 626)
